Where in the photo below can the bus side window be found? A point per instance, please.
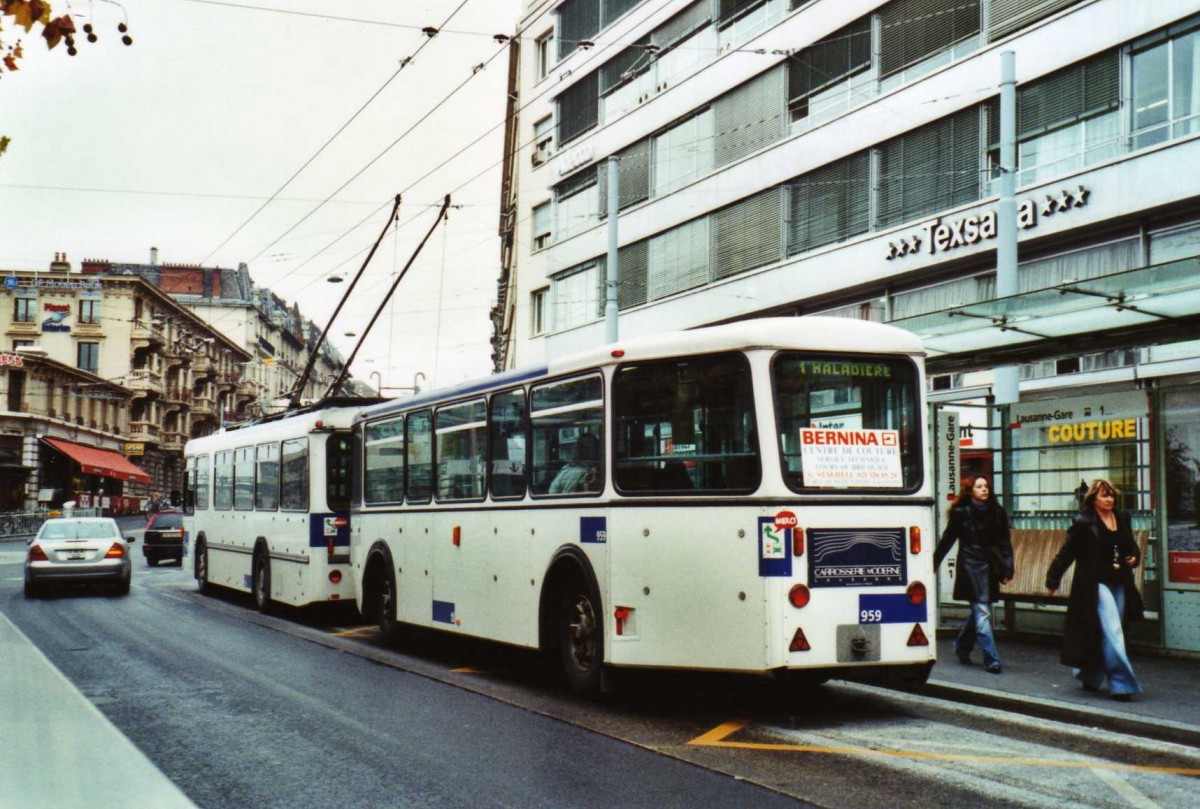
(384, 466)
(266, 477)
(293, 493)
(419, 480)
(567, 430)
(200, 487)
(507, 428)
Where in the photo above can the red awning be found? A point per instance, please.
(99, 461)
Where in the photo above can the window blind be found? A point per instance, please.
(1069, 95)
(750, 117)
(913, 30)
(635, 177)
(935, 167)
(748, 234)
(578, 107)
(830, 204)
(577, 20)
(682, 25)
(630, 62)
(1007, 16)
(829, 61)
(610, 10)
(633, 261)
(678, 259)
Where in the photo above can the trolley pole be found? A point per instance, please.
(610, 284)
(1007, 386)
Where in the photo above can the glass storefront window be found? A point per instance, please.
(1181, 419)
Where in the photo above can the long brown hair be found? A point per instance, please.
(964, 494)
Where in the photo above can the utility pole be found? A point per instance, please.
(1007, 388)
(610, 285)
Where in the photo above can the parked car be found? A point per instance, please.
(78, 550)
(164, 537)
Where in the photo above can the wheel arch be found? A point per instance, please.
(568, 562)
(378, 562)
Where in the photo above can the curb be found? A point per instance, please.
(1163, 730)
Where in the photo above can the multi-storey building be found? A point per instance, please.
(279, 339)
(103, 379)
(818, 157)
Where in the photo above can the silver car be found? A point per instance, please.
(78, 549)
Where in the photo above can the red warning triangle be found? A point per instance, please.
(799, 642)
(917, 636)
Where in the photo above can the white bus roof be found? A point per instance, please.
(801, 333)
(292, 426)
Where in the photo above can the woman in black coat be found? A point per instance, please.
(1103, 596)
(985, 561)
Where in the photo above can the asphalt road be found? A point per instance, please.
(239, 714)
(240, 709)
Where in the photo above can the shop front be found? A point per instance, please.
(89, 476)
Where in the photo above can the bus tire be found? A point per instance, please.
(581, 638)
(386, 602)
(201, 568)
(261, 581)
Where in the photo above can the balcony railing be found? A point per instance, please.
(143, 431)
(145, 382)
(204, 406)
(173, 440)
(147, 331)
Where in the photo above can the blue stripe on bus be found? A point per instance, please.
(497, 382)
(443, 612)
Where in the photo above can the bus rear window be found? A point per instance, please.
(685, 426)
(338, 464)
(848, 422)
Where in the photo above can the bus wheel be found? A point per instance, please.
(389, 626)
(202, 567)
(581, 641)
(262, 582)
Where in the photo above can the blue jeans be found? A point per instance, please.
(978, 628)
(1116, 668)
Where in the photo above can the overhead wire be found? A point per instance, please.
(403, 64)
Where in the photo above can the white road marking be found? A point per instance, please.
(1123, 788)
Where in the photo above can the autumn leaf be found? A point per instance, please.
(55, 30)
(10, 62)
(4, 141)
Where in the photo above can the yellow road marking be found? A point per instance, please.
(717, 737)
(468, 670)
(351, 633)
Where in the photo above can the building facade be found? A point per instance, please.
(792, 157)
(103, 380)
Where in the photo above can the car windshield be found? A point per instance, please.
(77, 530)
(171, 520)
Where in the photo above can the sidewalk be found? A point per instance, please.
(1035, 683)
(60, 751)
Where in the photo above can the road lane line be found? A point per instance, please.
(717, 737)
(354, 633)
(1123, 788)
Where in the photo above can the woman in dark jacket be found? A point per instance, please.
(1103, 596)
(985, 561)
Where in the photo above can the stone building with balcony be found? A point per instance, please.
(277, 337)
(103, 379)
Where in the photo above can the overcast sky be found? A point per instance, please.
(176, 141)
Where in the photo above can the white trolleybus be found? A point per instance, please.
(267, 508)
(748, 498)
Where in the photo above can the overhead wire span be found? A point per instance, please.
(294, 396)
(403, 64)
(341, 377)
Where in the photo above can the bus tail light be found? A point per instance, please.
(799, 642)
(36, 554)
(799, 596)
(329, 545)
(914, 539)
(335, 576)
(917, 637)
(916, 593)
(117, 551)
(622, 614)
(797, 541)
